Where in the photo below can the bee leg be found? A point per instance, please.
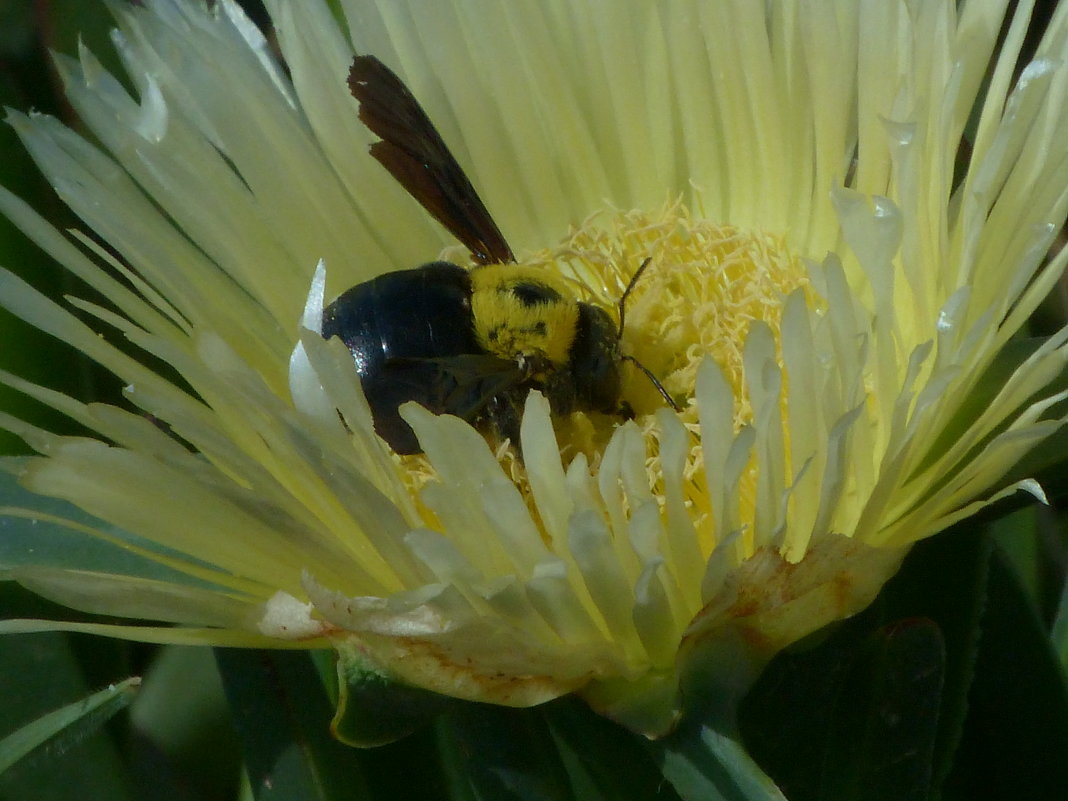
(501, 419)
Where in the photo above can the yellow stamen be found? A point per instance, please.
(704, 286)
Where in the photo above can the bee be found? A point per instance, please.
(471, 343)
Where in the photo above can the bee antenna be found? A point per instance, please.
(622, 309)
(626, 292)
(655, 381)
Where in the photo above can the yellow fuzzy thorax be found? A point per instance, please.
(520, 310)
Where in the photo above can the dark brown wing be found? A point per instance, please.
(484, 390)
(414, 152)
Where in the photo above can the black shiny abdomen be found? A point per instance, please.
(394, 325)
(412, 338)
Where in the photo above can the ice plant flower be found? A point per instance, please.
(824, 296)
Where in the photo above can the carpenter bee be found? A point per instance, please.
(472, 343)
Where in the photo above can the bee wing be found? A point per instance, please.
(478, 380)
(415, 154)
(462, 385)
(474, 387)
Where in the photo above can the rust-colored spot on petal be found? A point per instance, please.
(433, 666)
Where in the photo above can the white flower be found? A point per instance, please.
(823, 294)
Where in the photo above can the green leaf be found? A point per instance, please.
(614, 762)
(795, 718)
(704, 765)
(373, 710)
(883, 733)
(282, 716)
(1059, 636)
(1016, 734)
(503, 754)
(1029, 539)
(944, 580)
(42, 672)
(67, 724)
(282, 713)
(183, 724)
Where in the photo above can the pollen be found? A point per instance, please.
(704, 286)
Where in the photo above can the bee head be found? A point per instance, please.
(594, 360)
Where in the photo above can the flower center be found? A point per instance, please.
(703, 287)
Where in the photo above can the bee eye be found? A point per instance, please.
(532, 294)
